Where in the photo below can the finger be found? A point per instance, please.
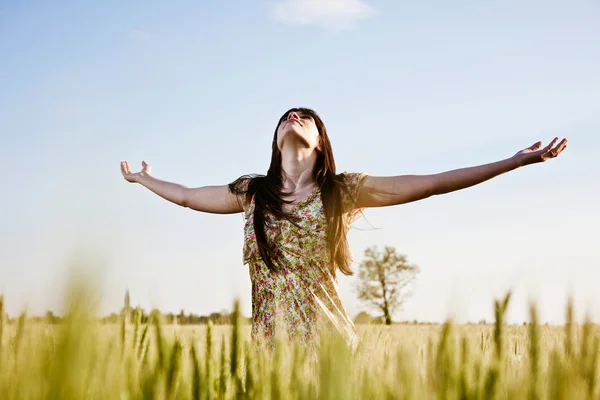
(548, 149)
(123, 169)
(144, 164)
(563, 143)
(557, 150)
(561, 146)
(552, 143)
(535, 146)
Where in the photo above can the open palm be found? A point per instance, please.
(134, 176)
(535, 153)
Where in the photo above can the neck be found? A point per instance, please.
(298, 165)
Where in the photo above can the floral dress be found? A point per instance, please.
(303, 296)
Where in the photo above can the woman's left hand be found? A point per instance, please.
(536, 154)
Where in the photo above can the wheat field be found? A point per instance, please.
(82, 358)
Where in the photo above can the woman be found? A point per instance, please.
(298, 214)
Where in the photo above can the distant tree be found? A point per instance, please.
(127, 310)
(50, 317)
(113, 318)
(382, 280)
(363, 317)
(182, 319)
(127, 300)
(2, 317)
(216, 318)
(169, 318)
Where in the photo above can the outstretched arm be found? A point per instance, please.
(210, 199)
(381, 191)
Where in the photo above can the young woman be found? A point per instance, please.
(298, 214)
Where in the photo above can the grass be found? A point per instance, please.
(83, 359)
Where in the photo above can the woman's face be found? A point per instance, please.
(299, 129)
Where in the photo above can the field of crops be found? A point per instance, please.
(83, 359)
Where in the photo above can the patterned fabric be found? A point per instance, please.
(303, 297)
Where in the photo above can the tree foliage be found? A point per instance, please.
(383, 279)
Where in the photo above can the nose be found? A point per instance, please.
(293, 115)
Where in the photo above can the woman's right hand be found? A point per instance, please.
(216, 199)
(134, 177)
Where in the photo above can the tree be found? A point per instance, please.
(382, 280)
(363, 317)
(181, 318)
(50, 317)
(127, 311)
(127, 301)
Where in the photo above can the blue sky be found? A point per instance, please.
(195, 89)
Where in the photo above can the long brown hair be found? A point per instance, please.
(268, 190)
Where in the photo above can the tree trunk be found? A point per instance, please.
(388, 318)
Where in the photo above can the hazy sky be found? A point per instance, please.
(196, 88)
